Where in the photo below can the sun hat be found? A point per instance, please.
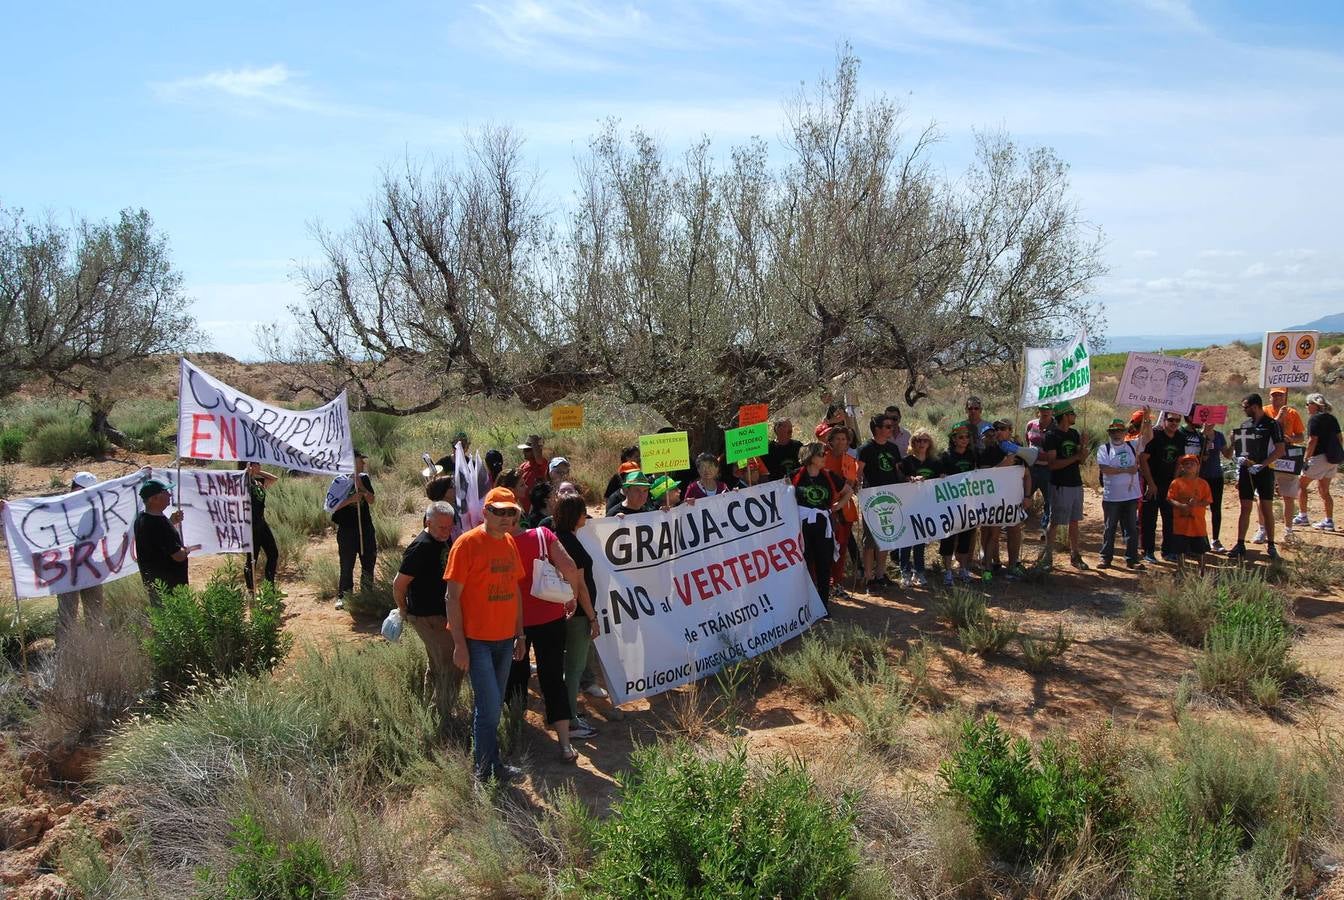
(84, 479)
(556, 462)
(1117, 425)
(1275, 391)
(431, 471)
(533, 442)
(636, 478)
(500, 497)
(154, 486)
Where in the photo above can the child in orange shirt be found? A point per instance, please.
(1190, 496)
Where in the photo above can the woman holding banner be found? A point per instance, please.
(258, 480)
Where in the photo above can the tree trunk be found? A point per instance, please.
(100, 408)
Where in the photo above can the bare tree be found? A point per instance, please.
(84, 306)
(434, 292)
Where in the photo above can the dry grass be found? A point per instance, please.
(98, 675)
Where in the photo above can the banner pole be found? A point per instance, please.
(177, 496)
(23, 634)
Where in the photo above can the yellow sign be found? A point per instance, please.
(668, 452)
(566, 418)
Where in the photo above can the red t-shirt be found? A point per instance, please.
(535, 610)
(530, 474)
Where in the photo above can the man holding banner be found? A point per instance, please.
(354, 531)
(158, 546)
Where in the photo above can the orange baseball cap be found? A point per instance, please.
(628, 466)
(501, 497)
(1189, 458)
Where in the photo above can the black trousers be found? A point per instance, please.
(1216, 508)
(262, 542)
(547, 641)
(1158, 506)
(819, 551)
(348, 545)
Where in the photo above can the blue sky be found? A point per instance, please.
(1205, 140)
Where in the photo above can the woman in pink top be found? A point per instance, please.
(708, 484)
(544, 627)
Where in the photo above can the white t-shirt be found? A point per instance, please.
(1118, 487)
(901, 439)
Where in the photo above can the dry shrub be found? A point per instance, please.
(100, 673)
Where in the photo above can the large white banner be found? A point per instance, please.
(903, 515)
(215, 421)
(1288, 359)
(684, 592)
(1051, 374)
(77, 540)
(216, 509)
(1162, 382)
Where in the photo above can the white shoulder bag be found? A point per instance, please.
(547, 582)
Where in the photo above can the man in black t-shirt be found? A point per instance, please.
(879, 464)
(1259, 444)
(1065, 449)
(1157, 463)
(354, 534)
(158, 546)
(419, 593)
(781, 458)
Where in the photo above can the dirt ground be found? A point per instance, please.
(1109, 671)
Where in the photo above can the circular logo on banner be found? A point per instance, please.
(1280, 347)
(1306, 345)
(887, 510)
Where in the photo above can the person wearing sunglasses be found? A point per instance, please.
(1157, 462)
(1067, 449)
(485, 618)
(920, 464)
(1259, 445)
(879, 464)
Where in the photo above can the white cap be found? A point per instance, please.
(557, 461)
(84, 479)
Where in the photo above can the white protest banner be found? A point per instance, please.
(215, 421)
(72, 541)
(1051, 374)
(903, 515)
(1288, 359)
(1162, 382)
(681, 593)
(216, 509)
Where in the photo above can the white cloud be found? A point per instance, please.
(1144, 254)
(1178, 12)
(1255, 270)
(272, 85)
(1220, 254)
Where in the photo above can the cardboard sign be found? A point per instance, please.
(1288, 359)
(752, 414)
(1162, 382)
(744, 443)
(566, 418)
(1292, 461)
(1208, 415)
(669, 452)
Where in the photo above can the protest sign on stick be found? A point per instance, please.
(744, 443)
(215, 421)
(216, 509)
(752, 414)
(566, 418)
(1208, 415)
(1052, 374)
(1288, 359)
(1162, 382)
(666, 452)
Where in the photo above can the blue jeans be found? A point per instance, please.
(1122, 515)
(1040, 481)
(911, 559)
(488, 668)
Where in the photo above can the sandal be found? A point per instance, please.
(569, 756)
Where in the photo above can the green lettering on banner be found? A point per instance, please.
(744, 443)
(668, 452)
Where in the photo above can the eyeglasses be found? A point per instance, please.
(1173, 421)
(504, 512)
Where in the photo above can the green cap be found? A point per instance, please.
(1117, 425)
(963, 425)
(1063, 408)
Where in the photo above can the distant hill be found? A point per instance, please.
(1334, 323)
(1146, 343)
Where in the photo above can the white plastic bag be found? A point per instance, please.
(392, 625)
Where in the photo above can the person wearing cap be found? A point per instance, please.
(532, 471)
(1259, 445)
(1002, 450)
(1066, 449)
(629, 463)
(1157, 462)
(1288, 483)
(419, 593)
(1037, 429)
(557, 470)
(91, 597)
(1118, 461)
(1189, 496)
(1324, 453)
(633, 497)
(355, 535)
(158, 546)
(485, 618)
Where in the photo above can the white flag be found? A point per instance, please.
(1051, 374)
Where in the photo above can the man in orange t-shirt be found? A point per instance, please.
(1294, 433)
(485, 617)
(1190, 497)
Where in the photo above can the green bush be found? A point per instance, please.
(987, 636)
(1179, 854)
(63, 440)
(1187, 608)
(878, 711)
(35, 620)
(376, 601)
(12, 440)
(1039, 652)
(686, 826)
(262, 870)
(1247, 650)
(961, 606)
(293, 547)
(296, 501)
(818, 668)
(1021, 807)
(215, 632)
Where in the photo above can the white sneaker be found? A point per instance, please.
(1260, 537)
(1325, 525)
(596, 690)
(1301, 519)
(1218, 547)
